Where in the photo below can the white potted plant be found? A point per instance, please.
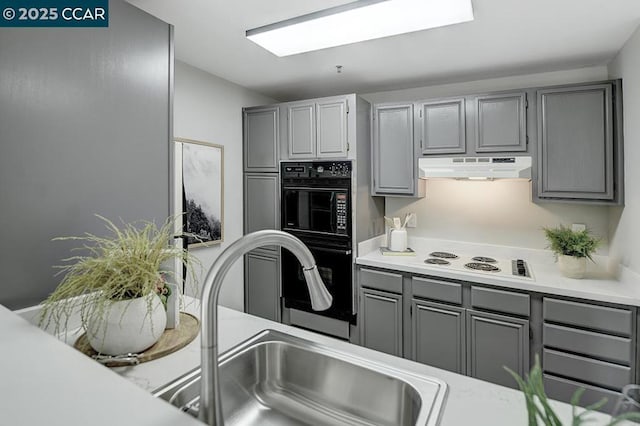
(572, 249)
(117, 287)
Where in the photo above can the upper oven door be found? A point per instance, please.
(316, 210)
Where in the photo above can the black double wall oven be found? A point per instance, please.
(316, 207)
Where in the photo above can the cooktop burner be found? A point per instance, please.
(437, 261)
(443, 255)
(484, 259)
(478, 266)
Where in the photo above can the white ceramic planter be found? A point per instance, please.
(128, 326)
(572, 267)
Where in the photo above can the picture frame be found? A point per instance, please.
(199, 183)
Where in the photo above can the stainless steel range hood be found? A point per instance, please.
(475, 168)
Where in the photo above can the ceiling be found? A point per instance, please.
(507, 37)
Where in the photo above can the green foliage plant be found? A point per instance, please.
(563, 240)
(540, 412)
(124, 265)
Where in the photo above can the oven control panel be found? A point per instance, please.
(317, 169)
(341, 212)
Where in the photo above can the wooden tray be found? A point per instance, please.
(170, 341)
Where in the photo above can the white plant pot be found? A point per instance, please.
(127, 326)
(572, 267)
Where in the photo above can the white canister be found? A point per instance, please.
(398, 239)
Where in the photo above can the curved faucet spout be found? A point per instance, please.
(210, 407)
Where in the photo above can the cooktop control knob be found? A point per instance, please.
(320, 169)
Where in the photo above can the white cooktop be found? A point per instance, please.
(505, 267)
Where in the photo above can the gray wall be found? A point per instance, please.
(209, 108)
(624, 227)
(84, 129)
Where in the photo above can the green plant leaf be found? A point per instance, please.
(563, 240)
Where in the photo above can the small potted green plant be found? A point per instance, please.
(572, 249)
(117, 285)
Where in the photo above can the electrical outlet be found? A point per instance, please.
(577, 227)
(413, 221)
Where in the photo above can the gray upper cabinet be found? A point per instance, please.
(576, 143)
(381, 321)
(332, 128)
(442, 126)
(317, 129)
(438, 336)
(394, 165)
(302, 130)
(261, 139)
(495, 342)
(501, 122)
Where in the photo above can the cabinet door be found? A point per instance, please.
(443, 128)
(302, 130)
(262, 285)
(394, 165)
(495, 342)
(261, 202)
(261, 139)
(381, 321)
(438, 335)
(501, 123)
(332, 129)
(575, 143)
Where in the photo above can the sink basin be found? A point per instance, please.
(278, 379)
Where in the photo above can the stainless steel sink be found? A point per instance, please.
(277, 379)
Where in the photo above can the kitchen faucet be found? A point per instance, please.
(210, 405)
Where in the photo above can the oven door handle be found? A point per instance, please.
(330, 250)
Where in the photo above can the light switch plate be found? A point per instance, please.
(413, 221)
(577, 227)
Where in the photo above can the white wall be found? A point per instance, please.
(499, 212)
(208, 108)
(624, 226)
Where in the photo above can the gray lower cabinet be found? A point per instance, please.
(261, 139)
(262, 284)
(590, 346)
(442, 126)
(394, 163)
(380, 320)
(577, 144)
(495, 342)
(262, 267)
(501, 122)
(438, 335)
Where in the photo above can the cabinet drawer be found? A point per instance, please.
(617, 349)
(500, 300)
(596, 317)
(585, 369)
(437, 290)
(385, 281)
(563, 389)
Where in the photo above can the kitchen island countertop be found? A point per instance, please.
(45, 381)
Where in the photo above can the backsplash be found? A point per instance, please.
(493, 212)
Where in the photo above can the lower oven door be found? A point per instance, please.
(335, 266)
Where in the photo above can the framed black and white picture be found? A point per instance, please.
(202, 178)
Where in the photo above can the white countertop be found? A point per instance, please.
(598, 285)
(45, 381)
